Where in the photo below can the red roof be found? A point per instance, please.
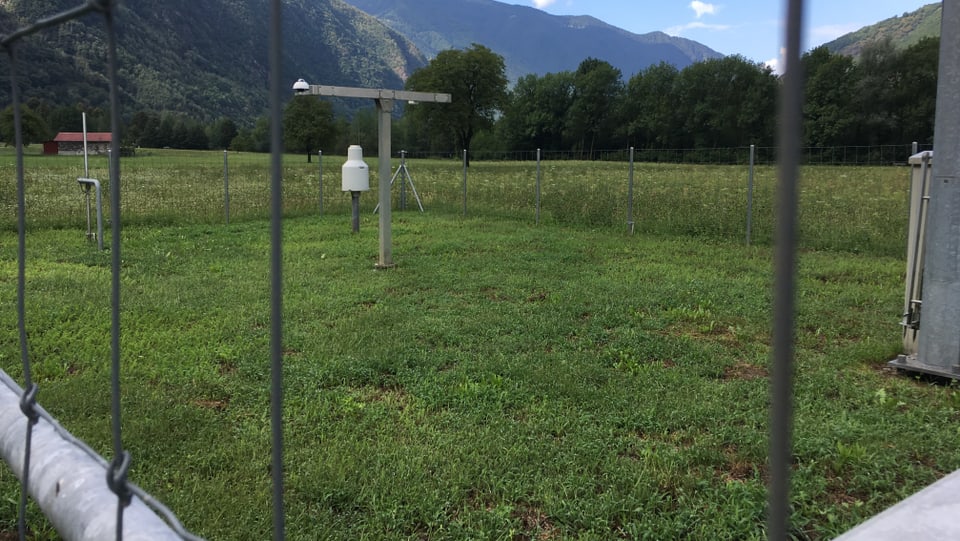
(77, 137)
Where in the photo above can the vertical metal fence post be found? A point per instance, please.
(781, 376)
(276, 268)
(403, 181)
(538, 186)
(914, 148)
(226, 187)
(320, 184)
(750, 194)
(630, 195)
(464, 182)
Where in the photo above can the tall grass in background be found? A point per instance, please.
(858, 209)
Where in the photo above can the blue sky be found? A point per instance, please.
(751, 28)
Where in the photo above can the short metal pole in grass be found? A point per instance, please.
(464, 182)
(320, 184)
(226, 187)
(538, 186)
(403, 180)
(750, 194)
(630, 195)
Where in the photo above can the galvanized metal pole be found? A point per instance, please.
(781, 376)
(630, 195)
(86, 157)
(226, 187)
(538, 186)
(320, 184)
(69, 485)
(914, 148)
(750, 194)
(385, 109)
(464, 182)
(939, 345)
(355, 209)
(403, 181)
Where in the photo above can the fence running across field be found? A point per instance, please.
(857, 209)
(109, 486)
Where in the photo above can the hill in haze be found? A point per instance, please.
(204, 58)
(903, 31)
(530, 40)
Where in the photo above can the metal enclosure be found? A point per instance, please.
(921, 353)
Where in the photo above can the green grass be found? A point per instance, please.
(855, 209)
(504, 381)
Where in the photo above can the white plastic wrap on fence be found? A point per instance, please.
(68, 484)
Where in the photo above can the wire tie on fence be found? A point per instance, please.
(28, 403)
(117, 477)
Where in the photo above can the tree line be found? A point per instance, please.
(885, 96)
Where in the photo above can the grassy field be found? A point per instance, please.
(505, 380)
(855, 209)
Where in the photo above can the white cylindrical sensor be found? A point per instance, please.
(356, 174)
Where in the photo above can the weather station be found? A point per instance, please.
(384, 100)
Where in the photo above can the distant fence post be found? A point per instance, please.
(750, 194)
(630, 195)
(464, 182)
(320, 184)
(226, 187)
(538, 186)
(403, 180)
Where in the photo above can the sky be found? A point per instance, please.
(750, 28)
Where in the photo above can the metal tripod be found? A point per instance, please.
(403, 180)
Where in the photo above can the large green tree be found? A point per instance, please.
(727, 102)
(222, 133)
(876, 82)
(914, 100)
(476, 79)
(537, 112)
(33, 128)
(830, 83)
(308, 125)
(597, 89)
(649, 115)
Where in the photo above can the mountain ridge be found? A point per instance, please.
(530, 40)
(204, 59)
(903, 31)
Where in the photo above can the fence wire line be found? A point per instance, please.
(27, 399)
(116, 472)
(276, 267)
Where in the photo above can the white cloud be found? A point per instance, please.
(678, 30)
(702, 8)
(776, 64)
(540, 4)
